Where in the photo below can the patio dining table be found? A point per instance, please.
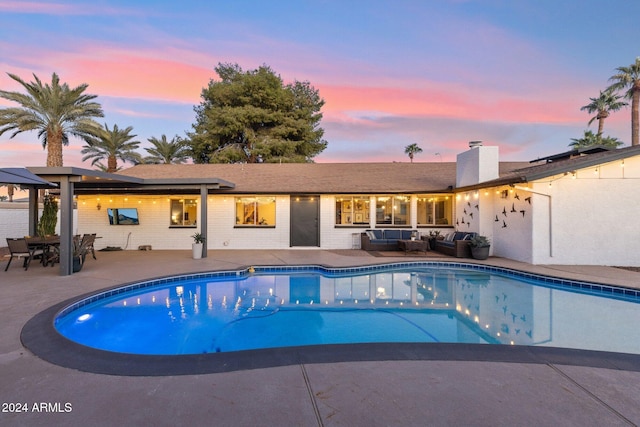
(50, 246)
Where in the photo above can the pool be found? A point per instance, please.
(393, 304)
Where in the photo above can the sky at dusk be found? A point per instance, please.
(438, 73)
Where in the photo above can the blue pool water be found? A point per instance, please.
(409, 302)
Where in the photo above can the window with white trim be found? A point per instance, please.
(394, 210)
(435, 209)
(256, 211)
(352, 210)
(184, 212)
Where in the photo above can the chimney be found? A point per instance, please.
(476, 165)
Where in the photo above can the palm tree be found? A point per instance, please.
(55, 111)
(167, 152)
(412, 150)
(112, 145)
(603, 105)
(628, 78)
(10, 192)
(589, 139)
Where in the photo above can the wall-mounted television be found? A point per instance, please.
(123, 216)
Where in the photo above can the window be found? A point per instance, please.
(393, 210)
(435, 209)
(256, 211)
(352, 210)
(184, 212)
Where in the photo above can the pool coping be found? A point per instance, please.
(43, 340)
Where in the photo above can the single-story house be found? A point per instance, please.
(577, 207)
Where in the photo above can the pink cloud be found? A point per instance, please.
(130, 76)
(122, 73)
(458, 103)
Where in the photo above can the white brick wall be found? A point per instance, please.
(154, 230)
(14, 221)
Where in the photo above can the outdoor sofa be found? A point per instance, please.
(455, 244)
(384, 240)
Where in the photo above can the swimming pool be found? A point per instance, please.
(417, 302)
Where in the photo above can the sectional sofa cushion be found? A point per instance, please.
(406, 234)
(393, 234)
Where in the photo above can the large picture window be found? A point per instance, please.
(435, 209)
(394, 210)
(256, 211)
(352, 210)
(184, 212)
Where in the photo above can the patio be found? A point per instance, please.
(466, 391)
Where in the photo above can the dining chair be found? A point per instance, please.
(20, 249)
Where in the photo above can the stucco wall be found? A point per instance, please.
(513, 231)
(594, 216)
(583, 220)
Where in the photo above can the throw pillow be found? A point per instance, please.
(370, 234)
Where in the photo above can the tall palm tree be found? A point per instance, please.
(167, 152)
(412, 150)
(55, 110)
(628, 78)
(10, 192)
(112, 145)
(603, 105)
(590, 139)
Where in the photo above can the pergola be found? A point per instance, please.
(72, 181)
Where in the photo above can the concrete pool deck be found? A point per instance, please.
(393, 392)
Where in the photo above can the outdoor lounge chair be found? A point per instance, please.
(20, 249)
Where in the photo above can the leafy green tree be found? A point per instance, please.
(590, 139)
(55, 110)
(411, 150)
(167, 152)
(628, 78)
(49, 218)
(603, 105)
(111, 145)
(253, 116)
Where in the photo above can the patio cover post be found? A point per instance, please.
(203, 217)
(33, 211)
(66, 226)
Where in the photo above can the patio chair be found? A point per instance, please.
(87, 244)
(51, 255)
(20, 249)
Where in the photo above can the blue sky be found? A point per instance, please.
(436, 73)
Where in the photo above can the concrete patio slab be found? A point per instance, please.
(398, 392)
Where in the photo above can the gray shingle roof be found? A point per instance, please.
(318, 178)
